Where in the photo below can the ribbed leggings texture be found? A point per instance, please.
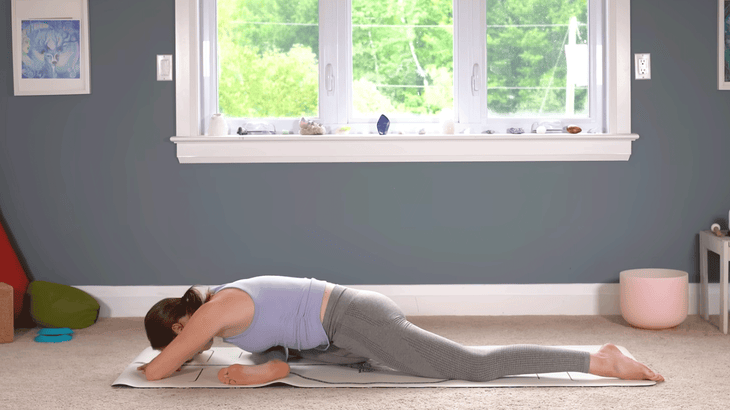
(370, 325)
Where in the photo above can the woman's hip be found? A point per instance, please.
(359, 308)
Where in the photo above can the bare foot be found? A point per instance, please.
(225, 377)
(258, 374)
(610, 362)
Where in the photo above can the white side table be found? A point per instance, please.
(721, 246)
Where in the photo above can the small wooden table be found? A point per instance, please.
(721, 246)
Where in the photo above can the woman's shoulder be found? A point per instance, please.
(232, 309)
(229, 295)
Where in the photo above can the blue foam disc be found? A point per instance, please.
(57, 331)
(52, 339)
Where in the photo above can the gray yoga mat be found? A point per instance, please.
(202, 372)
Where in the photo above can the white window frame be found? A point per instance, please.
(192, 147)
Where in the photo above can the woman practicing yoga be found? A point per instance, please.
(337, 324)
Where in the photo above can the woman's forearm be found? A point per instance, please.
(154, 370)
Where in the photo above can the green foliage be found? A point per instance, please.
(370, 100)
(268, 84)
(530, 56)
(402, 56)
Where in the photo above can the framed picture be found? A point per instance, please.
(50, 47)
(723, 44)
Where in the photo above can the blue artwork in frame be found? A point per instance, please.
(51, 49)
(726, 18)
(723, 44)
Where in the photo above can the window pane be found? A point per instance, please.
(402, 56)
(268, 53)
(528, 72)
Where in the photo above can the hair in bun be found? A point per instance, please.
(160, 318)
(191, 301)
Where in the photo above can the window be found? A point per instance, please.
(539, 54)
(489, 65)
(402, 59)
(266, 57)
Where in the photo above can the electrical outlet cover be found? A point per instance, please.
(642, 66)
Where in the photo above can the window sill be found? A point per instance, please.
(404, 148)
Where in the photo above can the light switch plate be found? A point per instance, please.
(164, 67)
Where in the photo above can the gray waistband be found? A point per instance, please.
(339, 299)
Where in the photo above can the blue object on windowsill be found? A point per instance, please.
(383, 125)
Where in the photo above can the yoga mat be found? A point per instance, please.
(202, 372)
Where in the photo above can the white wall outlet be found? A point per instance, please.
(164, 67)
(642, 66)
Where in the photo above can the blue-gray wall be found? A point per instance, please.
(92, 192)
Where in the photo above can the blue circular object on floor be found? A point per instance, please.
(55, 331)
(52, 339)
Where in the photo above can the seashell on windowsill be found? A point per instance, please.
(310, 127)
(573, 129)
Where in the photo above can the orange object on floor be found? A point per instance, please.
(7, 328)
(12, 273)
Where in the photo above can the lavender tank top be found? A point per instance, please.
(286, 313)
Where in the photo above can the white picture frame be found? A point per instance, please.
(51, 47)
(723, 44)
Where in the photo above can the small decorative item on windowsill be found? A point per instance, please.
(383, 125)
(218, 126)
(546, 127)
(573, 129)
(448, 125)
(257, 128)
(515, 130)
(310, 127)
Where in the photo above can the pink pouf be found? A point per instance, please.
(654, 298)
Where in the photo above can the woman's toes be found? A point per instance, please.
(223, 375)
(656, 377)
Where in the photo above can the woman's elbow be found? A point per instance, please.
(153, 375)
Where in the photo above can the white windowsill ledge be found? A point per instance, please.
(404, 148)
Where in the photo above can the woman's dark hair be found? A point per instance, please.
(165, 313)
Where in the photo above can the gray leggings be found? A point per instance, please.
(370, 325)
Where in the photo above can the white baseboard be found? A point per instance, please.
(434, 300)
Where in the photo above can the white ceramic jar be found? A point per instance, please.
(448, 125)
(218, 126)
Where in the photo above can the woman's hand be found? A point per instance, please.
(258, 374)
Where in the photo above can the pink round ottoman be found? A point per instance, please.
(654, 298)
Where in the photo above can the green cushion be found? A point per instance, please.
(54, 305)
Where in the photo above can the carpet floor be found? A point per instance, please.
(693, 357)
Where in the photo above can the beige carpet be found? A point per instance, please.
(694, 358)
